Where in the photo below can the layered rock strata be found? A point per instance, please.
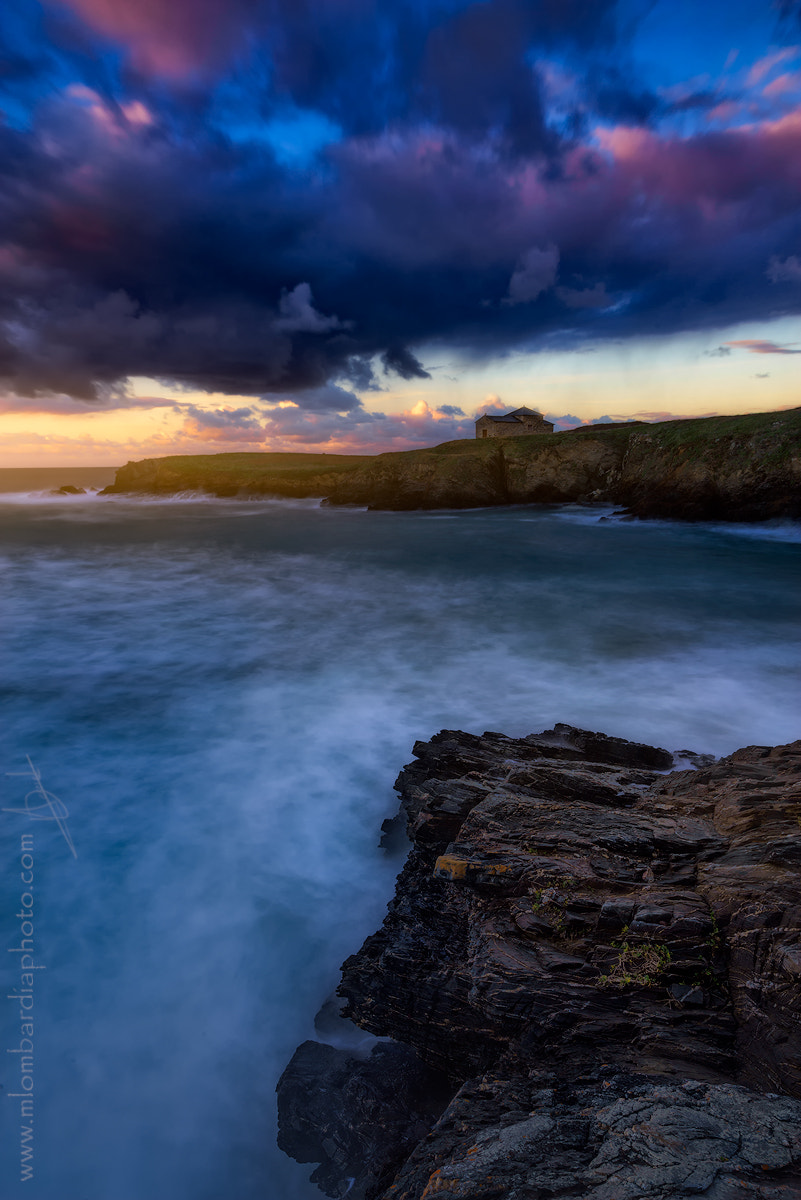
(593, 969)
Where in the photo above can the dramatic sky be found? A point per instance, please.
(353, 224)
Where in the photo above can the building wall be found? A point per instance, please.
(509, 428)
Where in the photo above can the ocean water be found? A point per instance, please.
(221, 693)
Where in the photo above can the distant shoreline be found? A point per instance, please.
(39, 479)
(745, 468)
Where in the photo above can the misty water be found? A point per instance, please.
(222, 693)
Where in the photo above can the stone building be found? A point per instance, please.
(513, 424)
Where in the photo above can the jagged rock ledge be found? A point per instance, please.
(591, 976)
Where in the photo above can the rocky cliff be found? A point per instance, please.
(718, 468)
(591, 976)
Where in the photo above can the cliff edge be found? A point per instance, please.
(717, 468)
(591, 979)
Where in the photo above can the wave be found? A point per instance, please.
(778, 530)
(767, 531)
(95, 508)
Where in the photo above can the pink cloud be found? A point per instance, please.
(180, 39)
(568, 421)
(727, 110)
(782, 84)
(669, 416)
(681, 186)
(223, 425)
(710, 174)
(289, 427)
(763, 66)
(625, 142)
(643, 207)
(492, 404)
(175, 39)
(755, 346)
(137, 114)
(562, 424)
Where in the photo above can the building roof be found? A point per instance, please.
(515, 416)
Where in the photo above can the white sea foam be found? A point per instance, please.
(223, 705)
(769, 531)
(47, 497)
(55, 499)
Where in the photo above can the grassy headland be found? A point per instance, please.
(232, 474)
(724, 468)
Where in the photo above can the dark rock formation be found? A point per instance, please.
(358, 1116)
(603, 960)
(68, 489)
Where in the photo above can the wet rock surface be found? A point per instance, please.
(599, 961)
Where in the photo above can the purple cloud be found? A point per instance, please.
(500, 179)
(788, 271)
(535, 273)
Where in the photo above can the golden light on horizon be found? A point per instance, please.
(687, 375)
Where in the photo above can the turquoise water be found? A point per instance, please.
(221, 694)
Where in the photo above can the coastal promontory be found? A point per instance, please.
(744, 468)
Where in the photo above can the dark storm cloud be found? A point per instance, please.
(789, 10)
(222, 418)
(150, 225)
(615, 98)
(330, 398)
(402, 362)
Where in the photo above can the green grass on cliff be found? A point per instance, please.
(696, 434)
(772, 436)
(253, 465)
(706, 429)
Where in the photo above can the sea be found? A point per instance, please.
(205, 704)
